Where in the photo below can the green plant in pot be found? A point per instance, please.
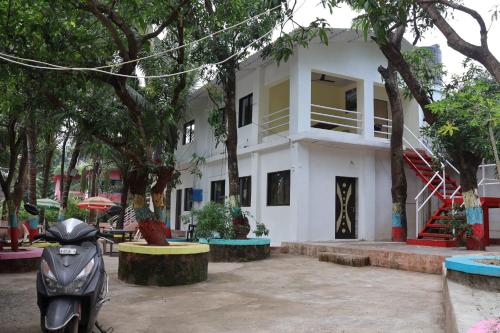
(213, 220)
(261, 230)
(462, 231)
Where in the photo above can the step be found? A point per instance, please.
(437, 226)
(433, 242)
(344, 259)
(441, 217)
(411, 154)
(435, 235)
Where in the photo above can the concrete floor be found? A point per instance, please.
(282, 294)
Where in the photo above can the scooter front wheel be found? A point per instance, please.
(70, 327)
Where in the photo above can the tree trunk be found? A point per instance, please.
(232, 139)
(399, 186)
(31, 135)
(15, 198)
(61, 184)
(468, 166)
(123, 202)
(94, 191)
(151, 230)
(69, 176)
(47, 165)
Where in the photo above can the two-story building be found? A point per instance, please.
(313, 144)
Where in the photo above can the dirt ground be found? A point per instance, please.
(282, 294)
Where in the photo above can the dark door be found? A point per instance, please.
(345, 208)
(178, 209)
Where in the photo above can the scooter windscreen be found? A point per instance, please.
(71, 231)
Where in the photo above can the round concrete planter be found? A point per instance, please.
(24, 260)
(474, 271)
(238, 250)
(173, 265)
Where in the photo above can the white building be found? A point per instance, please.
(306, 128)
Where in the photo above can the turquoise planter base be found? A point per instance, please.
(249, 241)
(475, 271)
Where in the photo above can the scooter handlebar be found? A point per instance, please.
(105, 237)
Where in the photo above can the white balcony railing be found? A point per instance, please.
(335, 119)
(382, 127)
(276, 121)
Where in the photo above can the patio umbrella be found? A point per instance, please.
(47, 203)
(97, 203)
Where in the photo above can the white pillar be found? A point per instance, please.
(300, 94)
(365, 107)
(299, 192)
(366, 197)
(258, 94)
(255, 164)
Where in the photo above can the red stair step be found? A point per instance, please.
(433, 242)
(433, 235)
(441, 217)
(438, 226)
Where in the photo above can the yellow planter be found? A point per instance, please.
(172, 249)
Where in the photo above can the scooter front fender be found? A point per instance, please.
(60, 311)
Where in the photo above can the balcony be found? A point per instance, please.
(330, 104)
(334, 104)
(275, 119)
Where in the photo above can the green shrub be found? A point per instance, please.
(213, 220)
(261, 230)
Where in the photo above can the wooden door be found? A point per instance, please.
(345, 208)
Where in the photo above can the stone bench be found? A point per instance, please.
(344, 259)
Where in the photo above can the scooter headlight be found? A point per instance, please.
(45, 269)
(86, 270)
(48, 276)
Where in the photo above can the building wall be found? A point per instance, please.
(314, 163)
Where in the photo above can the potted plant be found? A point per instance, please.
(462, 231)
(217, 226)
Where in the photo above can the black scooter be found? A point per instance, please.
(72, 284)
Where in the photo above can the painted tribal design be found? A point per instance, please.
(343, 220)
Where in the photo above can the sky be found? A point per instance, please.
(461, 22)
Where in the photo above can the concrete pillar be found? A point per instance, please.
(299, 191)
(365, 107)
(258, 94)
(300, 95)
(256, 192)
(366, 197)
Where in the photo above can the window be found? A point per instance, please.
(218, 191)
(278, 188)
(351, 100)
(188, 132)
(246, 191)
(245, 112)
(188, 199)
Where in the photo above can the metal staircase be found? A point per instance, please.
(436, 231)
(439, 183)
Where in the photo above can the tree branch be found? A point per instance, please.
(481, 53)
(92, 7)
(483, 30)
(166, 23)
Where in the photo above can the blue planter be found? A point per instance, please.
(248, 241)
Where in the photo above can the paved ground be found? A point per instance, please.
(282, 294)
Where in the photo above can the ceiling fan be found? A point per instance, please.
(324, 79)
